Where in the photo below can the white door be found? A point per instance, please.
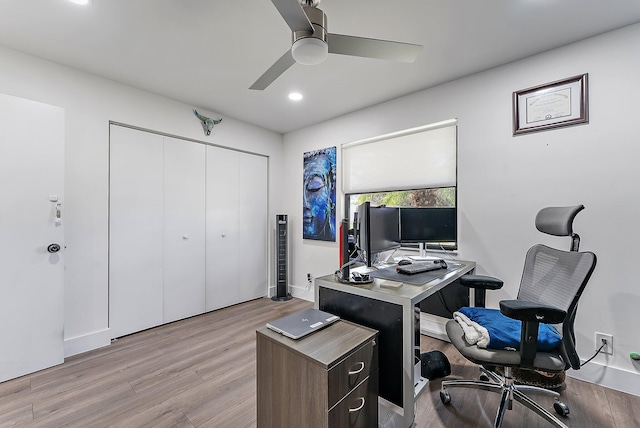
(236, 227)
(223, 224)
(184, 220)
(135, 230)
(252, 211)
(31, 206)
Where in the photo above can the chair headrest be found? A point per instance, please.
(557, 221)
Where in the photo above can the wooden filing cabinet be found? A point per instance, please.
(327, 379)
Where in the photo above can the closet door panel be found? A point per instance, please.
(252, 212)
(184, 229)
(135, 230)
(223, 224)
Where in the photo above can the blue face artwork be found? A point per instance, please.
(319, 198)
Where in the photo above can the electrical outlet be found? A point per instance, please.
(608, 348)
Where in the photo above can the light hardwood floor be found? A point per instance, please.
(200, 372)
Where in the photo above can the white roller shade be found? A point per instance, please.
(414, 158)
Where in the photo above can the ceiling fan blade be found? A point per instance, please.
(279, 67)
(293, 15)
(372, 48)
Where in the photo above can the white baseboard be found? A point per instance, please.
(433, 326)
(609, 377)
(302, 293)
(88, 342)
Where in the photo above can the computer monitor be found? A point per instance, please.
(435, 227)
(378, 230)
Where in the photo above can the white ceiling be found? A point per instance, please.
(207, 53)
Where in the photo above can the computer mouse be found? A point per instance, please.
(404, 262)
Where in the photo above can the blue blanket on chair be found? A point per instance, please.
(504, 332)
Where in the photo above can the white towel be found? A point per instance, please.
(474, 333)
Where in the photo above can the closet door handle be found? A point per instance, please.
(357, 409)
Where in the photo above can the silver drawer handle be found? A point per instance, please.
(357, 409)
(352, 372)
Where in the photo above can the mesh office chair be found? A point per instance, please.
(551, 285)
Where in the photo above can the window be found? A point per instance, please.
(423, 160)
(427, 216)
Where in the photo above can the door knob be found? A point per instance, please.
(53, 248)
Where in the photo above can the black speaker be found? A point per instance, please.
(282, 253)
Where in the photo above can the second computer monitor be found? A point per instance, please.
(378, 230)
(431, 226)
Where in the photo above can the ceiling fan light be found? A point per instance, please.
(309, 51)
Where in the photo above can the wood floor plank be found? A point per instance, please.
(201, 372)
(101, 390)
(170, 365)
(235, 403)
(630, 417)
(18, 415)
(78, 408)
(15, 396)
(65, 377)
(158, 416)
(242, 414)
(121, 407)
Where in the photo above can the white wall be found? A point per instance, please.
(504, 180)
(90, 102)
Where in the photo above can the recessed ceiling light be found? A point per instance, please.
(295, 96)
(82, 2)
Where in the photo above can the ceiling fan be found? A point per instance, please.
(312, 43)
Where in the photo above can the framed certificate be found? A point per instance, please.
(553, 105)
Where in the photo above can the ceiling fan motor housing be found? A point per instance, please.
(311, 48)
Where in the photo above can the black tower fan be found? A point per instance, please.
(282, 252)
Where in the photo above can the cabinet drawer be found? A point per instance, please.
(359, 409)
(351, 371)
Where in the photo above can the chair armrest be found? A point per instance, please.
(532, 311)
(531, 314)
(481, 281)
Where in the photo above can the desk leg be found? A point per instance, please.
(408, 362)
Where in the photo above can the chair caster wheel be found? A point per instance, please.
(445, 397)
(560, 408)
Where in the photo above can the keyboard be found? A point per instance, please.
(420, 267)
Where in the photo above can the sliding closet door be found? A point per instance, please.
(184, 222)
(253, 216)
(236, 227)
(188, 229)
(136, 196)
(223, 224)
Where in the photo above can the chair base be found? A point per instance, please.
(509, 392)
